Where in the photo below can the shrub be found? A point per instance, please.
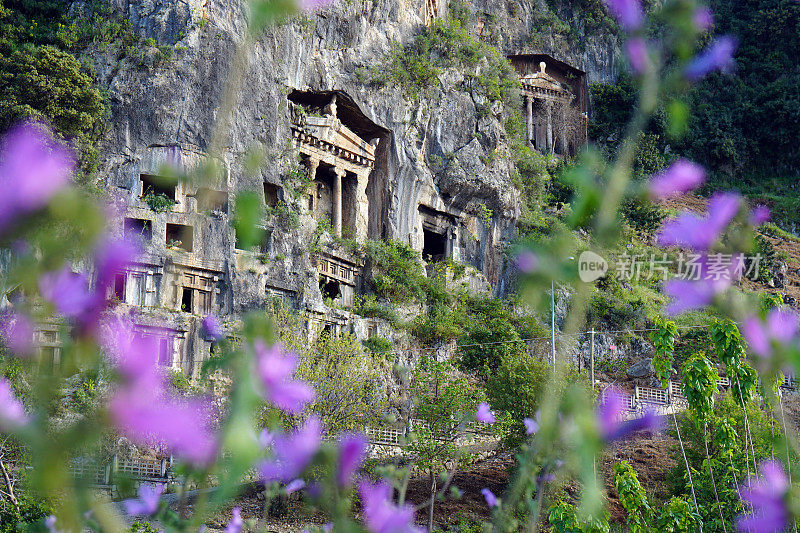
(379, 345)
(396, 269)
(368, 306)
(515, 388)
(446, 44)
(642, 215)
(160, 203)
(30, 511)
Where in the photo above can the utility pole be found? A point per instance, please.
(553, 318)
(591, 359)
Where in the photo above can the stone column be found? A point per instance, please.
(362, 205)
(529, 117)
(336, 201)
(311, 166)
(549, 126)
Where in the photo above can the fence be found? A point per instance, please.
(394, 435)
(136, 468)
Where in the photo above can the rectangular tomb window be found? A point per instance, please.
(180, 236)
(138, 227)
(271, 194)
(211, 200)
(136, 290)
(186, 300)
(48, 359)
(196, 293)
(119, 286)
(165, 351)
(159, 185)
(330, 288)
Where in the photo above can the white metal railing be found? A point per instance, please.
(137, 468)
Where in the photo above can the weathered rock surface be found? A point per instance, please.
(173, 112)
(641, 369)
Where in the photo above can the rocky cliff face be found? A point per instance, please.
(166, 112)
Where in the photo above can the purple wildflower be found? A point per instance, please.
(781, 326)
(67, 291)
(638, 55)
(628, 13)
(531, 426)
(484, 414)
(157, 418)
(33, 167)
(767, 497)
(212, 327)
(135, 356)
(12, 412)
(266, 438)
(70, 293)
(759, 215)
(147, 503)
(16, 329)
(294, 486)
(491, 499)
(236, 523)
(700, 233)
(276, 366)
(292, 453)
(381, 515)
(718, 56)
(681, 176)
(702, 18)
(610, 418)
(313, 5)
(526, 261)
(351, 454)
(710, 275)
(688, 295)
(111, 257)
(50, 524)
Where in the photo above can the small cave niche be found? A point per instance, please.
(271, 194)
(159, 185)
(329, 288)
(434, 245)
(138, 227)
(180, 236)
(211, 200)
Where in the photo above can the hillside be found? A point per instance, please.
(389, 266)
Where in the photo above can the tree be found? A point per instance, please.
(46, 82)
(344, 375)
(676, 516)
(514, 389)
(446, 402)
(663, 338)
(633, 498)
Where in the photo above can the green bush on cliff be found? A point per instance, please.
(445, 44)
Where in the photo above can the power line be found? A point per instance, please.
(398, 351)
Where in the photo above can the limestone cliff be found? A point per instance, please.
(166, 112)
